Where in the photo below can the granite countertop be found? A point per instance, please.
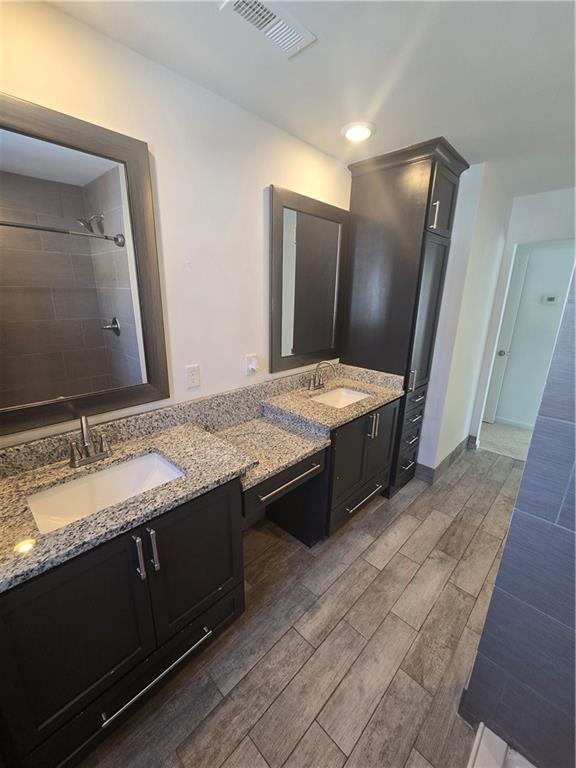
(206, 460)
(274, 447)
(297, 408)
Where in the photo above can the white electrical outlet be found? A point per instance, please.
(251, 363)
(192, 376)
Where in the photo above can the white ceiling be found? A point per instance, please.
(495, 78)
(28, 156)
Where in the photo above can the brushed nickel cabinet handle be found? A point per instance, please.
(372, 417)
(414, 440)
(435, 204)
(412, 380)
(107, 720)
(377, 424)
(417, 399)
(374, 492)
(141, 569)
(313, 468)
(153, 543)
(408, 466)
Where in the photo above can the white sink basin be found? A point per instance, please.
(63, 504)
(340, 397)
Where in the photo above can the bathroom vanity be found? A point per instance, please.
(107, 585)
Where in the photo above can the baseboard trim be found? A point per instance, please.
(431, 474)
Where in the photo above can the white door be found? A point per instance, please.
(506, 333)
(537, 293)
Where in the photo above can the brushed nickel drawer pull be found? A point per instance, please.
(374, 492)
(414, 440)
(107, 720)
(415, 419)
(377, 424)
(417, 399)
(408, 466)
(313, 468)
(155, 559)
(141, 569)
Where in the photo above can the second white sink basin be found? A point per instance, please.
(71, 501)
(340, 397)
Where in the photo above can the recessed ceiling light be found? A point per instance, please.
(357, 132)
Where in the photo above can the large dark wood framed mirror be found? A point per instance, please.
(308, 241)
(81, 328)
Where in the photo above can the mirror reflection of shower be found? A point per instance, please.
(94, 224)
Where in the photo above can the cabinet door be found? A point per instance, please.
(194, 557)
(348, 448)
(442, 201)
(431, 283)
(380, 447)
(68, 635)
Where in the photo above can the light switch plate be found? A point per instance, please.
(251, 363)
(192, 376)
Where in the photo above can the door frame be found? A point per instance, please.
(493, 334)
(512, 306)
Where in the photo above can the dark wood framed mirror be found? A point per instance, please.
(308, 245)
(81, 325)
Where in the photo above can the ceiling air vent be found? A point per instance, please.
(278, 26)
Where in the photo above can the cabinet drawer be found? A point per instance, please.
(406, 466)
(416, 399)
(410, 438)
(257, 499)
(413, 418)
(347, 509)
(86, 730)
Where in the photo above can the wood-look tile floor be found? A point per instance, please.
(354, 653)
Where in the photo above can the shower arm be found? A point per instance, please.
(118, 240)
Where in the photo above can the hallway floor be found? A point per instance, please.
(354, 653)
(505, 440)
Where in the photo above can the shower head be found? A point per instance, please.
(98, 220)
(85, 223)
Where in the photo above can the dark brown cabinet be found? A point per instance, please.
(80, 642)
(68, 635)
(442, 201)
(401, 214)
(361, 455)
(433, 269)
(194, 555)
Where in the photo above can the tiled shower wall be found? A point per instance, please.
(522, 684)
(50, 340)
(112, 280)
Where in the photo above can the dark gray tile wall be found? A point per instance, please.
(112, 279)
(522, 684)
(47, 290)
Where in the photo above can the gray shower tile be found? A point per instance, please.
(548, 468)
(543, 733)
(566, 515)
(531, 646)
(538, 567)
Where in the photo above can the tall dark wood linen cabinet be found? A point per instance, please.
(402, 207)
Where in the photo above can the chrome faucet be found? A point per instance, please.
(317, 378)
(90, 448)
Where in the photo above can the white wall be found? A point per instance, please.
(539, 217)
(547, 272)
(211, 163)
(479, 236)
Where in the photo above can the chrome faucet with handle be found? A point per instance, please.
(317, 378)
(90, 448)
